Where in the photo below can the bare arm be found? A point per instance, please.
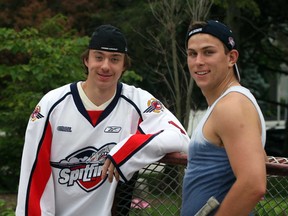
(238, 127)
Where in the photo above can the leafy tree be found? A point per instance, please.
(23, 14)
(31, 65)
(170, 49)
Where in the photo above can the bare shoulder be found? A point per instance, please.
(234, 103)
(234, 111)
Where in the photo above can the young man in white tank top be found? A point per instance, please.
(225, 159)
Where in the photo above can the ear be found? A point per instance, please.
(85, 61)
(233, 57)
(85, 58)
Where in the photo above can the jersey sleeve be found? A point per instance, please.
(159, 133)
(34, 196)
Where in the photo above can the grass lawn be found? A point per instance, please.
(272, 207)
(7, 204)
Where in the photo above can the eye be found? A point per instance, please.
(98, 58)
(208, 52)
(191, 54)
(115, 60)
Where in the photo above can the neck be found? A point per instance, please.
(213, 95)
(227, 87)
(96, 95)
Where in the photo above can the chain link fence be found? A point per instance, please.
(157, 189)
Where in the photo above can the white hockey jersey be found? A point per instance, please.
(64, 151)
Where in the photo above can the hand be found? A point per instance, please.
(110, 170)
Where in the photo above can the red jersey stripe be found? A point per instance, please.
(133, 143)
(41, 174)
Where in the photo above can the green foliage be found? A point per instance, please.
(257, 85)
(131, 77)
(4, 210)
(274, 207)
(31, 64)
(56, 26)
(249, 5)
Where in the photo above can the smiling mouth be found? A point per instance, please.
(201, 72)
(105, 75)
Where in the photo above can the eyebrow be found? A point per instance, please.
(203, 48)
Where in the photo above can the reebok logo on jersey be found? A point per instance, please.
(36, 113)
(112, 129)
(83, 167)
(154, 105)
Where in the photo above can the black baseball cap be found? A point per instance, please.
(108, 38)
(220, 31)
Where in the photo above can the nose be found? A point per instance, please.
(199, 59)
(105, 64)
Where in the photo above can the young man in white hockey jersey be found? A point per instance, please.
(74, 128)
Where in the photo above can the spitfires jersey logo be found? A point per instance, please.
(36, 114)
(154, 105)
(83, 167)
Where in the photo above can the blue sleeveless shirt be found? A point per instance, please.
(208, 170)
